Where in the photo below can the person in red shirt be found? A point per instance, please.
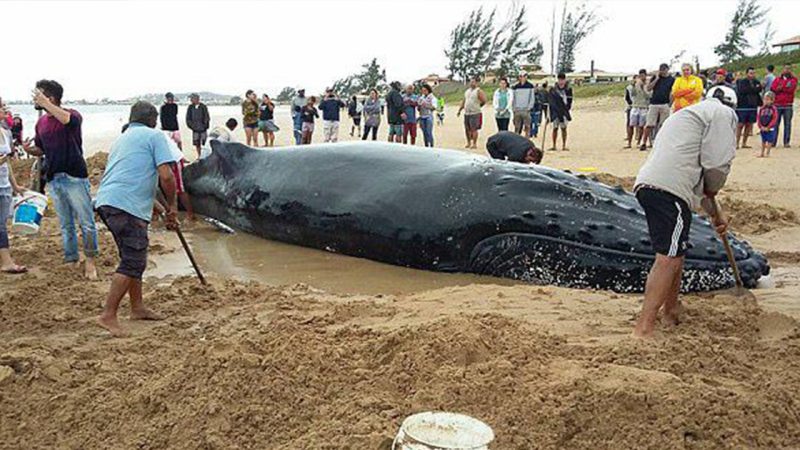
(784, 87)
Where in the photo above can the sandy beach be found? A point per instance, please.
(244, 363)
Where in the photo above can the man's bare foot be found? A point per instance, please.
(111, 324)
(644, 329)
(564, 149)
(627, 146)
(90, 271)
(746, 146)
(552, 149)
(145, 314)
(670, 319)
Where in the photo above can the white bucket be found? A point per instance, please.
(442, 431)
(28, 212)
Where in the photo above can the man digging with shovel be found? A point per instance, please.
(689, 164)
(139, 160)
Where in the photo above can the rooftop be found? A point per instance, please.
(790, 41)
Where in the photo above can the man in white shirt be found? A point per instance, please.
(689, 164)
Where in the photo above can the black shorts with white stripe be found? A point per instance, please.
(668, 218)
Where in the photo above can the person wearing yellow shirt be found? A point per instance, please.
(687, 89)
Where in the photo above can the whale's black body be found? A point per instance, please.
(450, 211)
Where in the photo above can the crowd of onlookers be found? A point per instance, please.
(766, 104)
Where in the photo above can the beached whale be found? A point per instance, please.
(450, 211)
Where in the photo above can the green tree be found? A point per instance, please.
(748, 14)
(517, 44)
(473, 45)
(576, 26)
(373, 76)
(286, 94)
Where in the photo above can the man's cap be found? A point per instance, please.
(522, 73)
(722, 71)
(300, 89)
(169, 95)
(724, 94)
(328, 89)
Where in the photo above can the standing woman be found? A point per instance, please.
(372, 115)
(502, 103)
(308, 114)
(266, 121)
(8, 187)
(250, 117)
(426, 106)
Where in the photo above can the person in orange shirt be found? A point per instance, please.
(687, 89)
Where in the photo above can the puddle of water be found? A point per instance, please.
(248, 257)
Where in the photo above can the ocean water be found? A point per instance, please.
(103, 123)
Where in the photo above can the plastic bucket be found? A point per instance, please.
(28, 212)
(443, 431)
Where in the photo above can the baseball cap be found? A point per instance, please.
(722, 71)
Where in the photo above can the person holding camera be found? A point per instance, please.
(659, 87)
(59, 139)
(330, 107)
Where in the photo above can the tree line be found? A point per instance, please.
(503, 41)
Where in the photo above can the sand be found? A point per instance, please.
(247, 365)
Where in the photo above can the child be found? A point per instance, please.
(767, 119)
(308, 114)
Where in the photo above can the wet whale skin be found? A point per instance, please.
(450, 211)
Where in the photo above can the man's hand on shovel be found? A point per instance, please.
(721, 225)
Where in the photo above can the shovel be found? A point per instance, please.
(740, 290)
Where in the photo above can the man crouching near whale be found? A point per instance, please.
(689, 164)
(513, 147)
(139, 160)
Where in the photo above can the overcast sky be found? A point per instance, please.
(119, 49)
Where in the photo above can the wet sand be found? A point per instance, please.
(251, 364)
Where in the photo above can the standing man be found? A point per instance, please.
(686, 90)
(748, 91)
(354, 109)
(690, 161)
(784, 87)
(330, 107)
(169, 119)
(410, 103)
(394, 112)
(769, 78)
(59, 139)
(474, 99)
(506, 145)
(660, 89)
(560, 106)
(198, 120)
(640, 102)
(298, 103)
(523, 100)
(139, 160)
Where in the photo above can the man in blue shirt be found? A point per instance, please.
(139, 161)
(330, 107)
